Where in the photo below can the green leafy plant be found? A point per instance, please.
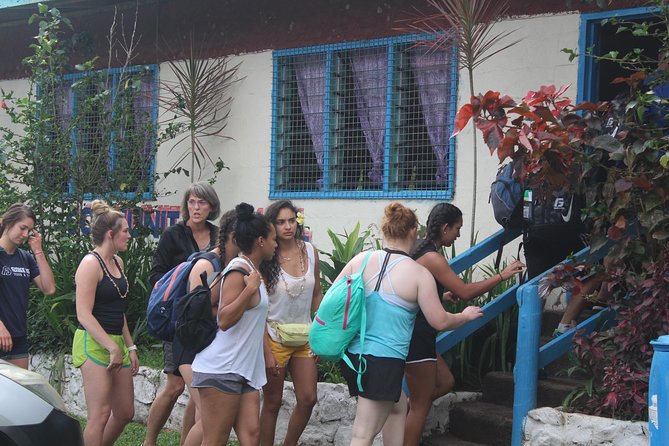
(555, 142)
(49, 163)
(493, 347)
(346, 246)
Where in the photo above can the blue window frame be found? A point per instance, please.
(368, 119)
(598, 38)
(112, 153)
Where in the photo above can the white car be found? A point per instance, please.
(32, 413)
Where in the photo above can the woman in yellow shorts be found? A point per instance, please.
(102, 347)
(293, 283)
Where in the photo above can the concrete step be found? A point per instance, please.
(482, 422)
(447, 439)
(498, 388)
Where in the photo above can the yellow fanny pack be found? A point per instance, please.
(291, 335)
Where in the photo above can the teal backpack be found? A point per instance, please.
(340, 317)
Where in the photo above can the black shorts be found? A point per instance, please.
(423, 342)
(382, 380)
(542, 253)
(181, 356)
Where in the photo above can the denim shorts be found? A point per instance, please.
(19, 349)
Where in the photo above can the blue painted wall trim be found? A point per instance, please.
(590, 23)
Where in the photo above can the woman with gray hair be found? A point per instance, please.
(194, 232)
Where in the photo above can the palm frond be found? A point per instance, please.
(200, 96)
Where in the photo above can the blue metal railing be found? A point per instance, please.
(530, 357)
(492, 309)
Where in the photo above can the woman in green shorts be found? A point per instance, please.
(102, 347)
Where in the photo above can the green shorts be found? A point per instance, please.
(85, 347)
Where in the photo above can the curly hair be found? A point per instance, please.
(441, 214)
(248, 227)
(271, 269)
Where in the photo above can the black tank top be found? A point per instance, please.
(109, 306)
(427, 247)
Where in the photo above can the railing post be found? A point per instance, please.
(658, 393)
(527, 358)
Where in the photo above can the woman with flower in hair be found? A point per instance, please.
(293, 284)
(19, 268)
(103, 348)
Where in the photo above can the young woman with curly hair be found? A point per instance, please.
(229, 373)
(293, 283)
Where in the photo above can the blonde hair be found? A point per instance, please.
(397, 221)
(104, 219)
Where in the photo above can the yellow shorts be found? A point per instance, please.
(282, 354)
(85, 347)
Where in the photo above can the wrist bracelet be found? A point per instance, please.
(132, 348)
(500, 276)
(38, 253)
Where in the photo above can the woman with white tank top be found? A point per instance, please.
(231, 370)
(293, 283)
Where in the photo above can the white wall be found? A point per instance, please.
(535, 61)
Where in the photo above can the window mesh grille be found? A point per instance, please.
(103, 139)
(363, 120)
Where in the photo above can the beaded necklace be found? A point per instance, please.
(303, 277)
(111, 279)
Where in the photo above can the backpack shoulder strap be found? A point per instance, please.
(364, 262)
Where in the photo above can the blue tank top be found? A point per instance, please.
(390, 320)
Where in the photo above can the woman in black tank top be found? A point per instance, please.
(427, 375)
(103, 348)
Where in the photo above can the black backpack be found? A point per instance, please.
(196, 327)
(552, 213)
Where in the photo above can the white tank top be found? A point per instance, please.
(293, 308)
(239, 349)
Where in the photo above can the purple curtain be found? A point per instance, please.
(432, 72)
(370, 76)
(310, 74)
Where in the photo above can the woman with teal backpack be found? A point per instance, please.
(395, 288)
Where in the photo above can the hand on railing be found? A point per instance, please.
(471, 312)
(517, 267)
